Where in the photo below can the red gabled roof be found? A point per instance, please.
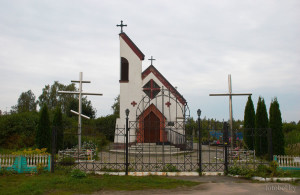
(164, 81)
(131, 44)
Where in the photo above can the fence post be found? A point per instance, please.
(49, 164)
(199, 141)
(127, 129)
(19, 167)
(225, 128)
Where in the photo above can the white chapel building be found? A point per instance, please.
(157, 109)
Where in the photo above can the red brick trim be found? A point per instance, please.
(164, 81)
(162, 118)
(131, 44)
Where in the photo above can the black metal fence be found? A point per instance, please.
(165, 147)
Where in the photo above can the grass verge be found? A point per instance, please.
(61, 183)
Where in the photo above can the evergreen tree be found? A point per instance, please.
(43, 135)
(276, 126)
(249, 124)
(261, 125)
(58, 125)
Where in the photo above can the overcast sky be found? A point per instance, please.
(196, 45)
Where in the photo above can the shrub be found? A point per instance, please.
(4, 171)
(42, 151)
(170, 168)
(67, 161)
(77, 173)
(40, 168)
(243, 171)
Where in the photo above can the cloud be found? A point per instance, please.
(196, 45)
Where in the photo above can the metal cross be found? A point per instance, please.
(151, 59)
(230, 94)
(79, 113)
(121, 25)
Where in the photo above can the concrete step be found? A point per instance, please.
(151, 148)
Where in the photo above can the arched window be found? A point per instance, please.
(124, 69)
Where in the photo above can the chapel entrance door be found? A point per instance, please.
(151, 128)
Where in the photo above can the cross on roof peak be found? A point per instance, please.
(151, 59)
(121, 25)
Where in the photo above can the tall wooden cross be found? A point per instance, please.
(79, 113)
(151, 59)
(121, 25)
(230, 94)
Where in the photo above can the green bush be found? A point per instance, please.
(261, 170)
(67, 161)
(4, 171)
(18, 130)
(170, 168)
(243, 171)
(77, 173)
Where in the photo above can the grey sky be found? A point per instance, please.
(196, 45)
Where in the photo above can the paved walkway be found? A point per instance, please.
(216, 185)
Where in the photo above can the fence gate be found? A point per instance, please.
(156, 145)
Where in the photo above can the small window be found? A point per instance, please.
(124, 69)
(151, 89)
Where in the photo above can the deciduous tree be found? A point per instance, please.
(116, 106)
(51, 97)
(26, 102)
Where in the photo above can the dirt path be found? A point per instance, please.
(216, 185)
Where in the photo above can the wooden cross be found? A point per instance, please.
(79, 113)
(230, 94)
(121, 25)
(151, 59)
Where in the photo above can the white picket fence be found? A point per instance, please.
(34, 159)
(7, 160)
(287, 161)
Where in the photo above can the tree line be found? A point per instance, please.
(25, 127)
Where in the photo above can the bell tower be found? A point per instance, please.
(130, 79)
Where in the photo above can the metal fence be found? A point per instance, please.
(170, 150)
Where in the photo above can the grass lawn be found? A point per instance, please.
(62, 183)
(295, 173)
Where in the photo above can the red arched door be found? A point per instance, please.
(151, 128)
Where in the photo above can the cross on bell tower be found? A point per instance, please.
(151, 59)
(121, 25)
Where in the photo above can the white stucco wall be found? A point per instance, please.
(132, 91)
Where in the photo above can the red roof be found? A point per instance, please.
(164, 81)
(131, 44)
